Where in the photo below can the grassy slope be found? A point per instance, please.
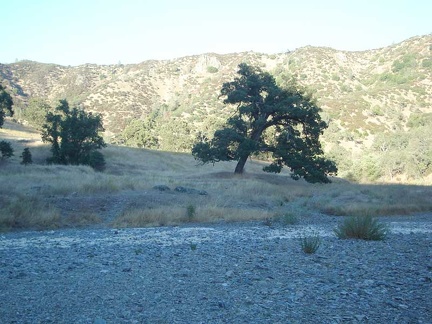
(27, 193)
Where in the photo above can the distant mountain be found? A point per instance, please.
(362, 93)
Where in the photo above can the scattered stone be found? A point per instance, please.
(241, 273)
(162, 188)
(190, 191)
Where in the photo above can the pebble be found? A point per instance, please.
(241, 273)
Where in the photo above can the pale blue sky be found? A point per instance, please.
(131, 31)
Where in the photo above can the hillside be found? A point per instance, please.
(164, 104)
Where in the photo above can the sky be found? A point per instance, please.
(77, 32)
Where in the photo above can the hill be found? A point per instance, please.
(369, 98)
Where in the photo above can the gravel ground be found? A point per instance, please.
(218, 273)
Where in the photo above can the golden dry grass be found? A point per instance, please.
(166, 216)
(253, 195)
(27, 212)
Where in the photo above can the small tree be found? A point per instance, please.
(6, 150)
(5, 104)
(73, 134)
(26, 157)
(263, 108)
(36, 111)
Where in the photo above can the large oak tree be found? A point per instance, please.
(264, 108)
(5, 104)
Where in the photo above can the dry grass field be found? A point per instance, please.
(41, 196)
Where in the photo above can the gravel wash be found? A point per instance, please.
(221, 273)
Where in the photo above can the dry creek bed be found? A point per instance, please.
(217, 273)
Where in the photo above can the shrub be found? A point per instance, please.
(427, 63)
(26, 157)
(97, 161)
(6, 150)
(362, 227)
(190, 212)
(310, 244)
(212, 69)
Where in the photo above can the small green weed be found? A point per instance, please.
(362, 227)
(193, 246)
(310, 244)
(190, 212)
(268, 221)
(289, 219)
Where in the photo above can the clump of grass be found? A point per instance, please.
(289, 218)
(150, 217)
(190, 212)
(81, 219)
(28, 212)
(362, 227)
(268, 221)
(166, 216)
(311, 243)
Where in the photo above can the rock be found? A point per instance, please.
(229, 273)
(162, 188)
(190, 191)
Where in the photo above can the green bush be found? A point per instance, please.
(26, 157)
(97, 161)
(212, 69)
(6, 150)
(362, 227)
(427, 63)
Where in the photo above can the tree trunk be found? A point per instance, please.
(240, 164)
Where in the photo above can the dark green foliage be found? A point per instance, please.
(6, 150)
(74, 136)
(362, 227)
(263, 107)
(26, 157)
(5, 104)
(96, 161)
